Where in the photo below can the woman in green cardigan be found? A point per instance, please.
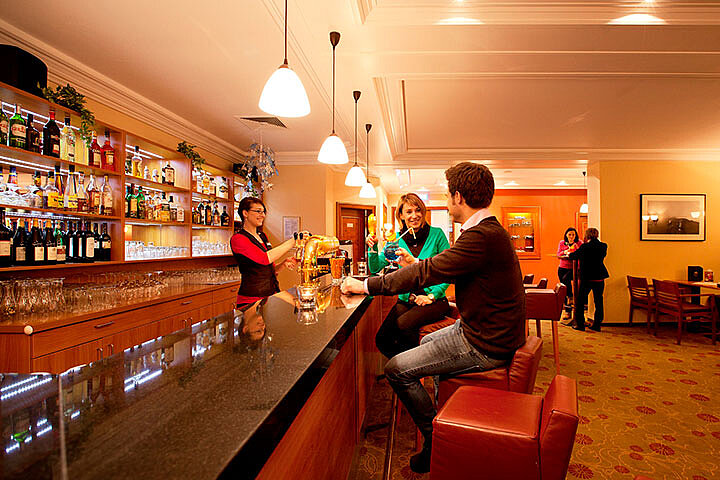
(400, 329)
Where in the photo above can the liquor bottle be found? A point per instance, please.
(98, 253)
(3, 185)
(32, 136)
(19, 256)
(157, 206)
(5, 241)
(88, 251)
(81, 150)
(208, 213)
(73, 246)
(17, 129)
(149, 206)
(216, 215)
(61, 247)
(49, 244)
(180, 212)
(82, 197)
(223, 190)
(128, 203)
(213, 187)
(67, 141)
(196, 180)
(146, 172)
(225, 218)
(108, 153)
(206, 184)
(50, 200)
(95, 152)
(60, 188)
(165, 209)
(4, 126)
(137, 166)
(70, 197)
(12, 183)
(34, 248)
(105, 243)
(132, 202)
(37, 190)
(107, 198)
(173, 210)
(195, 215)
(94, 197)
(169, 174)
(51, 137)
(141, 211)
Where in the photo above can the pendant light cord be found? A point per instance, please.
(286, 14)
(367, 154)
(333, 102)
(355, 134)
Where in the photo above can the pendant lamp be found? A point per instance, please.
(284, 94)
(584, 207)
(356, 176)
(333, 149)
(367, 191)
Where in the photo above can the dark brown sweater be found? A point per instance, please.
(488, 286)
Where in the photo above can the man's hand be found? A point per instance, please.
(405, 258)
(422, 300)
(351, 285)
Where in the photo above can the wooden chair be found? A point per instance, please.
(529, 278)
(641, 297)
(545, 304)
(542, 283)
(670, 301)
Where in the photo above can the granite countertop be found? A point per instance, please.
(180, 406)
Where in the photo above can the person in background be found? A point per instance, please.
(255, 256)
(490, 297)
(593, 273)
(400, 330)
(567, 245)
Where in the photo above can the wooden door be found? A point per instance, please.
(352, 225)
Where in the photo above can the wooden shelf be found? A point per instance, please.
(159, 259)
(195, 226)
(61, 265)
(56, 212)
(149, 223)
(154, 185)
(211, 197)
(30, 161)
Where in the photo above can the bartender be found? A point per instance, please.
(255, 256)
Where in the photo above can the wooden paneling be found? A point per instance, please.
(320, 443)
(59, 361)
(368, 357)
(14, 353)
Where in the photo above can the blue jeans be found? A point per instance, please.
(444, 352)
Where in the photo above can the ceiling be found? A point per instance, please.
(534, 88)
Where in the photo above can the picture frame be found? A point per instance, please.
(291, 224)
(673, 217)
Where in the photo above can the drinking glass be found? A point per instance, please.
(362, 268)
(307, 295)
(336, 269)
(391, 251)
(7, 302)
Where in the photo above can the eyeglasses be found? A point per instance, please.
(259, 211)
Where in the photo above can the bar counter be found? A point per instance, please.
(214, 399)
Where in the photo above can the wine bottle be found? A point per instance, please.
(17, 129)
(61, 247)
(67, 141)
(73, 246)
(5, 241)
(132, 213)
(87, 247)
(34, 248)
(98, 247)
(32, 136)
(19, 241)
(95, 152)
(49, 244)
(107, 198)
(51, 137)
(70, 196)
(4, 126)
(108, 153)
(105, 243)
(225, 218)
(208, 213)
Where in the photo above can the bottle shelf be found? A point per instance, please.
(57, 266)
(30, 161)
(154, 185)
(196, 226)
(196, 195)
(54, 212)
(150, 223)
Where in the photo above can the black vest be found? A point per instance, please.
(257, 280)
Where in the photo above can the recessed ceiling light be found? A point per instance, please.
(638, 19)
(459, 21)
(561, 183)
(512, 183)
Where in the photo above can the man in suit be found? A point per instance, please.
(592, 278)
(489, 293)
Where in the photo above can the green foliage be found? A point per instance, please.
(189, 152)
(70, 98)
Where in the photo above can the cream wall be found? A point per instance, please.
(341, 193)
(621, 183)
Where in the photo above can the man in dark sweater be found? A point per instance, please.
(489, 293)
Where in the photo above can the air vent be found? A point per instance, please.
(274, 121)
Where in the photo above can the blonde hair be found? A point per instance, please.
(410, 199)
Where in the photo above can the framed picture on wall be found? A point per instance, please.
(672, 217)
(291, 224)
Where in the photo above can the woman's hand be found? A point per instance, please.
(422, 300)
(405, 258)
(371, 241)
(290, 263)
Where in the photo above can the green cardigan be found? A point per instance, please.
(435, 243)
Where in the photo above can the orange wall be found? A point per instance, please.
(558, 210)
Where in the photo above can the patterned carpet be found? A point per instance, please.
(647, 406)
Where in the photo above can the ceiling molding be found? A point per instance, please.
(364, 7)
(391, 99)
(65, 69)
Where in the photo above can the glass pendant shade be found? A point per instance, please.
(333, 151)
(584, 208)
(284, 94)
(355, 177)
(367, 191)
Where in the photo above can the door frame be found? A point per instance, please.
(338, 218)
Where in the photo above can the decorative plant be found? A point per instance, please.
(258, 169)
(70, 98)
(189, 151)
